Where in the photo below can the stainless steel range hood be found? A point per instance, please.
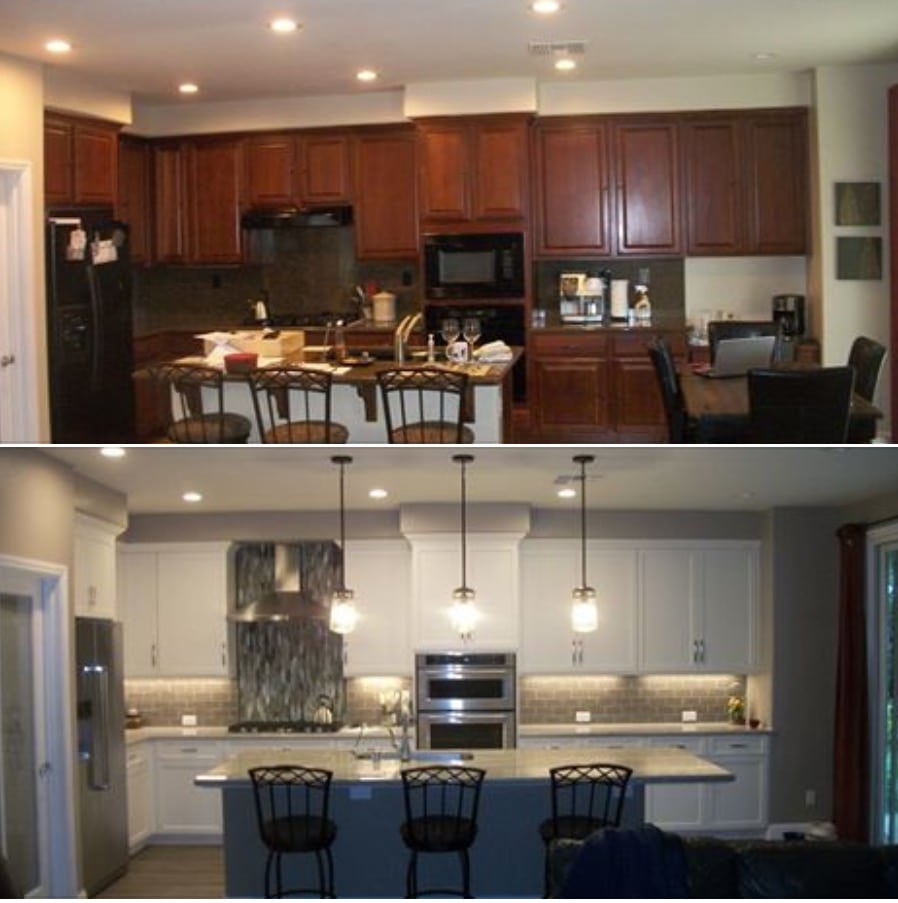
(296, 217)
(286, 599)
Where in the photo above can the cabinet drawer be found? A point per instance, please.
(633, 344)
(575, 344)
(691, 744)
(186, 748)
(740, 745)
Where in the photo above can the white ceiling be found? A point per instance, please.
(265, 478)
(148, 47)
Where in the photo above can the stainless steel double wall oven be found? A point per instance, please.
(465, 700)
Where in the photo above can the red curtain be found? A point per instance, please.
(851, 771)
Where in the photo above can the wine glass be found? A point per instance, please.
(450, 330)
(471, 332)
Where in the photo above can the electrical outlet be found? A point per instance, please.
(689, 715)
(583, 717)
(188, 721)
(810, 798)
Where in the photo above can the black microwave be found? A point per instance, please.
(476, 265)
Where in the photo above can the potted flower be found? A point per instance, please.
(736, 709)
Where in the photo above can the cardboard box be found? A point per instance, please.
(287, 342)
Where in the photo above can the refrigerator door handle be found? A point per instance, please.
(96, 351)
(98, 751)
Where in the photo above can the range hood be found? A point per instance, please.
(285, 599)
(296, 217)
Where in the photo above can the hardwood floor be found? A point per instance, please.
(162, 872)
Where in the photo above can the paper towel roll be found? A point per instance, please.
(620, 289)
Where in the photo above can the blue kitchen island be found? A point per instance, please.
(366, 804)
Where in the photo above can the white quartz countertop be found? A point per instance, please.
(636, 729)
(220, 732)
(650, 765)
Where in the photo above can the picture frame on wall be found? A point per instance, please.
(858, 257)
(858, 204)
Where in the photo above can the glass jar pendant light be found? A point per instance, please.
(463, 614)
(584, 611)
(343, 616)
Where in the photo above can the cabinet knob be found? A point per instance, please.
(6, 360)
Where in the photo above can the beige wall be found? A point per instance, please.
(22, 141)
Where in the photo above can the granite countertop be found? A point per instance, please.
(650, 765)
(660, 320)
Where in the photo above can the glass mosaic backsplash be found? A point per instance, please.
(542, 700)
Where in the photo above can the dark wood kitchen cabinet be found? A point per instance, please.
(474, 169)
(569, 379)
(214, 182)
(571, 180)
(646, 159)
(80, 161)
(298, 169)
(134, 204)
(169, 204)
(386, 211)
(745, 182)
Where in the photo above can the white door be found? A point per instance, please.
(23, 754)
(18, 375)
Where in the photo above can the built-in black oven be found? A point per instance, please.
(497, 321)
(474, 265)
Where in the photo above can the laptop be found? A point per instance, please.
(735, 357)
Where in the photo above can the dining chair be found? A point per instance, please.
(293, 405)
(679, 428)
(197, 412)
(425, 405)
(866, 357)
(743, 329)
(799, 406)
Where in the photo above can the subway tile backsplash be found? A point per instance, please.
(542, 700)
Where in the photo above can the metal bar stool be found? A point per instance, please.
(440, 817)
(584, 799)
(292, 813)
(425, 405)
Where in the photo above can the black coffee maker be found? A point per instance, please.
(788, 311)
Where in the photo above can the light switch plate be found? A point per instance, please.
(582, 717)
(188, 721)
(690, 715)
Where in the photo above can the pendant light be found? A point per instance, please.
(463, 615)
(584, 612)
(343, 615)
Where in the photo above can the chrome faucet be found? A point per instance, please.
(402, 333)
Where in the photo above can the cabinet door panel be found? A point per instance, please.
(571, 392)
(137, 607)
(500, 171)
(741, 804)
(729, 589)
(169, 234)
(647, 190)
(181, 806)
(96, 164)
(324, 169)
(572, 186)
(668, 593)
(215, 182)
(676, 807)
(134, 196)
(637, 398)
(269, 170)
(445, 173)
(58, 173)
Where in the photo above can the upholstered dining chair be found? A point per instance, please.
(425, 405)
(197, 413)
(293, 405)
(799, 406)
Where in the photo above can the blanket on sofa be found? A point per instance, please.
(642, 862)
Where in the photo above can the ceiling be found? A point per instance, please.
(148, 48)
(265, 478)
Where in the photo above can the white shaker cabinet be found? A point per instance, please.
(699, 607)
(379, 572)
(93, 572)
(182, 808)
(141, 796)
(492, 572)
(174, 609)
(550, 569)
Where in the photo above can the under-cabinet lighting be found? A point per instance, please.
(112, 451)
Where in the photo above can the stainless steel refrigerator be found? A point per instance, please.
(101, 752)
(89, 327)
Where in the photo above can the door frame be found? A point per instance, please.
(58, 722)
(19, 399)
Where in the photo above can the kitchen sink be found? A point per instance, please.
(421, 755)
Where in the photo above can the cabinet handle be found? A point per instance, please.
(580, 652)
(695, 652)
(737, 745)
(701, 650)
(153, 655)
(224, 655)
(189, 749)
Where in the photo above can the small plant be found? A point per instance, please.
(736, 709)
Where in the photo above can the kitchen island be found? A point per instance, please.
(366, 804)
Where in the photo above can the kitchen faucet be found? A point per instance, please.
(403, 331)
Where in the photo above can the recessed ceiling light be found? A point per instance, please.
(366, 75)
(763, 56)
(545, 7)
(192, 497)
(567, 493)
(377, 493)
(58, 45)
(112, 451)
(283, 25)
(565, 64)
(188, 88)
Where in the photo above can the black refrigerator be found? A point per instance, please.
(89, 334)
(102, 790)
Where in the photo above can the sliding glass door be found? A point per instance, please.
(883, 644)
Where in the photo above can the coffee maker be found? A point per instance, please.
(788, 311)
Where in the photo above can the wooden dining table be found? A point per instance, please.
(720, 408)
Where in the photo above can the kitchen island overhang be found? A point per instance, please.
(367, 806)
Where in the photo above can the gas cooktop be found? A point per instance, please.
(283, 727)
(322, 319)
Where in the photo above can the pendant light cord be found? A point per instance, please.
(583, 460)
(342, 460)
(464, 460)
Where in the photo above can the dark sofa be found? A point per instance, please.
(756, 868)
